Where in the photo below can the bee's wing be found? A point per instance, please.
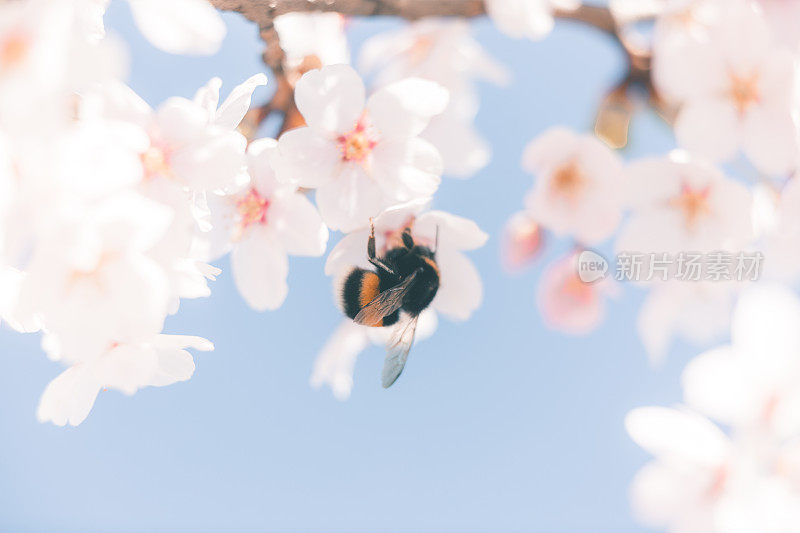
(384, 304)
(397, 351)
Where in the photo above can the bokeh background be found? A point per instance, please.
(498, 424)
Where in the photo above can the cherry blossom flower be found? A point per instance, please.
(443, 51)
(191, 142)
(781, 231)
(694, 464)
(736, 89)
(460, 291)
(569, 304)
(127, 367)
(522, 240)
(578, 190)
(752, 384)
(263, 223)
(178, 26)
(532, 19)
(312, 40)
(683, 204)
(91, 281)
(361, 158)
(695, 311)
(784, 19)
(335, 364)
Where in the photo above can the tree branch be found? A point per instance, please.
(264, 12)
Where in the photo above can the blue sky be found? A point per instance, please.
(498, 424)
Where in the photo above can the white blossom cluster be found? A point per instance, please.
(105, 201)
(112, 211)
(381, 158)
(728, 69)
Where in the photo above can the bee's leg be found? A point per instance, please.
(408, 240)
(371, 255)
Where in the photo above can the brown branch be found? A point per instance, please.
(264, 12)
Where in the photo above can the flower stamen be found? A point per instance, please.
(357, 144)
(693, 204)
(744, 91)
(252, 208)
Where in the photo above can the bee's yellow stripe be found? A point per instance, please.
(370, 288)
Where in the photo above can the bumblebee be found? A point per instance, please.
(403, 284)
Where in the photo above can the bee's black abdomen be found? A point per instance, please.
(352, 290)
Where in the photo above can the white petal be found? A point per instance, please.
(299, 225)
(679, 435)
(180, 120)
(334, 365)
(464, 152)
(207, 97)
(212, 163)
(127, 368)
(233, 109)
(454, 231)
(331, 99)
(348, 202)
(173, 366)
(260, 267)
(407, 169)
(770, 141)
(307, 158)
(262, 156)
(764, 328)
(461, 289)
(709, 127)
(716, 384)
(403, 109)
(350, 251)
(180, 26)
(69, 397)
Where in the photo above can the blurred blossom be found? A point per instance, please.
(177, 26)
(460, 291)
(359, 157)
(701, 478)
(522, 240)
(312, 40)
(262, 223)
(681, 203)
(780, 238)
(569, 304)
(696, 312)
(162, 360)
(784, 18)
(579, 185)
(443, 51)
(736, 88)
(104, 212)
(335, 364)
(532, 19)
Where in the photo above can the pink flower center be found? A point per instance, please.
(13, 49)
(719, 480)
(568, 181)
(693, 204)
(155, 161)
(358, 143)
(252, 208)
(744, 91)
(577, 291)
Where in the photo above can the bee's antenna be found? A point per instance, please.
(436, 241)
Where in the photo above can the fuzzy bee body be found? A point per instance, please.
(403, 284)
